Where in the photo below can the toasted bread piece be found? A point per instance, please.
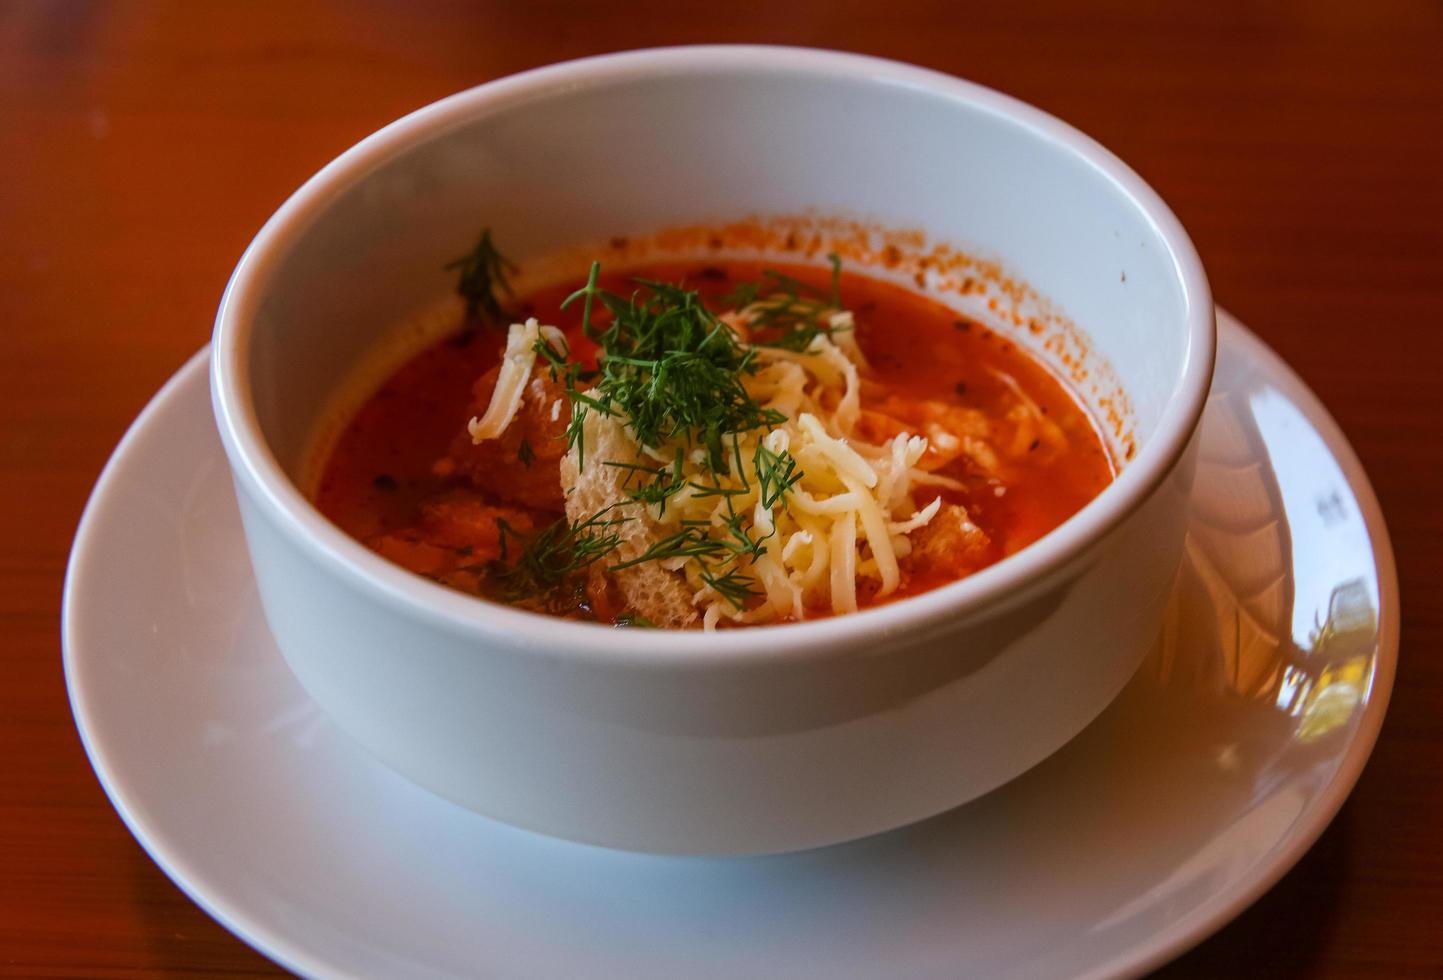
(661, 596)
(951, 544)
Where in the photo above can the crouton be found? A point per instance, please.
(950, 544)
(659, 595)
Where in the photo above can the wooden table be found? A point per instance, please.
(141, 145)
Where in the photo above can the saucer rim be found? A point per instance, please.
(1131, 961)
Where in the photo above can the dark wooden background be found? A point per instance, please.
(142, 144)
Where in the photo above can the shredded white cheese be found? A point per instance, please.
(516, 364)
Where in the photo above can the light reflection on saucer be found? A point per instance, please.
(1278, 566)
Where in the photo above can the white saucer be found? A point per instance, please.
(1215, 770)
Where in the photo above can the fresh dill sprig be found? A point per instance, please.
(773, 282)
(732, 586)
(659, 484)
(789, 311)
(482, 273)
(739, 542)
(776, 473)
(570, 375)
(704, 490)
(795, 322)
(695, 540)
(634, 620)
(692, 541)
(555, 554)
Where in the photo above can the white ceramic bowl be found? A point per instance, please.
(751, 740)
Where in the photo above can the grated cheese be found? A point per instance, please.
(516, 364)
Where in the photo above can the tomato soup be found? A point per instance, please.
(869, 444)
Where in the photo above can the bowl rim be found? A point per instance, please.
(259, 473)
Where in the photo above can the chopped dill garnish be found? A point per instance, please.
(482, 273)
(776, 474)
(634, 620)
(554, 555)
(525, 454)
(694, 540)
(772, 283)
(660, 483)
(669, 367)
(739, 542)
(733, 586)
(703, 490)
(789, 311)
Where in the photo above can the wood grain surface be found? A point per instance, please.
(143, 144)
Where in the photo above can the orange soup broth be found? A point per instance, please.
(380, 470)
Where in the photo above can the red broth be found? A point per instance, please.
(387, 477)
